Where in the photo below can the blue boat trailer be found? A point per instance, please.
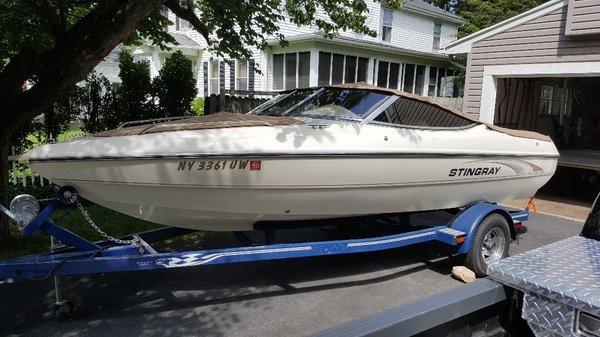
(82, 256)
(79, 256)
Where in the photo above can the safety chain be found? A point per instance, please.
(87, 217)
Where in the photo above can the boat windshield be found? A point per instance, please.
(279, 105)
(328, 103)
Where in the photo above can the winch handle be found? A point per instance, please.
(9, 213)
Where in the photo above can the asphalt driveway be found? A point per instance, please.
(282, 298)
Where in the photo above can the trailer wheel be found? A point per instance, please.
(491, 242)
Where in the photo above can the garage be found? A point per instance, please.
(540, 71)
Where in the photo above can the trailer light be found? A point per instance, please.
(588, 324)
(24, 209)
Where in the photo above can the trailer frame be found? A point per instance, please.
(78, 256)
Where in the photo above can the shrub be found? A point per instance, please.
(175, 86)
(134, 96)
(198, 106)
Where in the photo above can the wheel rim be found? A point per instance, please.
(492, 249)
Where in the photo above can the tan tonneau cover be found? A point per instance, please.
(229, 120)
(215, 121)
(512, 132)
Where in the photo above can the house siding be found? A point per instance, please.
(410, 31)
(541, 40)
(583, 17)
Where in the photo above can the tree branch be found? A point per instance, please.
(187, 13)
(69, 61)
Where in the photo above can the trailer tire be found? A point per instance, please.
(491, 242)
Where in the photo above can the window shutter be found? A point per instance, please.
(232, 75)
(251, 74)
(221, 77)
(205, 78)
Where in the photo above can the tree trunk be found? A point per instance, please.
(4, 197)
(72, 57)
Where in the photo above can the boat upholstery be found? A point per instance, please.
(215, 121)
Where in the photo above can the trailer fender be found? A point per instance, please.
(468, 220)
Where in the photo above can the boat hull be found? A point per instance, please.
(231, 193)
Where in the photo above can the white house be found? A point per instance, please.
(407, 54)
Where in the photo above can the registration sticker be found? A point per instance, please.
(255, 165)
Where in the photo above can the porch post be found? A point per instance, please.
(313, 77)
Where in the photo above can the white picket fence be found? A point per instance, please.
(27, 179)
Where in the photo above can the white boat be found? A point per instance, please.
(318, 153)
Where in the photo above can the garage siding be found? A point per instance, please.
(541, 40)
(583, 17)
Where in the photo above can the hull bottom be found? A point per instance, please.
(238, 209)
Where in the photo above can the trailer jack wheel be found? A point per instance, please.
(491, 242)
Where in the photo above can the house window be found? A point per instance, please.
(164, 11)
(182, 24)
(393, 77)
(339, 68)
(388, 74)
(303, 69)
(555, 100)
(278, 72)
(441, 74)
(386, 25)
(241, 75)
(431, 88)
(382, 73)
(350, 69)
(409, 78)
(437, 33)
(213, 77)
(291, 70)
(419, 80)
(194, 68)
(361, 69)
(545, 105)
(324, 68)
(446, 84)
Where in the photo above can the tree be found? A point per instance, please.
(59, 115)
(134, 95)
(175, 86)
(66, 39)
(480, 14)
